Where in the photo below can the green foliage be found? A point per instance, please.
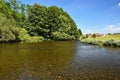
(111, 43)
(25, 23)
(5, 8)
(79, 32)
(21, 34)
(100, 43)
(94, 36)
(118, 44)
(36, 39)
(14, 9)
(47, 21)
(5, 26)
(36, 21)
(18, 34)
(62, 36)
(9, 32)
(82, 37)
(6, 35)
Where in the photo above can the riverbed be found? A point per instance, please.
(58, 60)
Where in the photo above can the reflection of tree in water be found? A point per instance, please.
(10, 62)
(58, 61)
(48, 60)
(52, 61)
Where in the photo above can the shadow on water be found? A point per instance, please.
(27, 61)
(58, 60)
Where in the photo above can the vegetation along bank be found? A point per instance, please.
(35, 23)
(112, 40)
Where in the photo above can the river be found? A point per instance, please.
(58, 60)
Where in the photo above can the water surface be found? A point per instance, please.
(58, 60)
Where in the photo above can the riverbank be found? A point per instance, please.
(109, 40)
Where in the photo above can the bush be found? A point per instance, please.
(5, 25)
(118, 44)
(6, 35)
(17, 34)
(62, 36)
(36, 39)
(23, 36)
(99, 43)
(111, 43)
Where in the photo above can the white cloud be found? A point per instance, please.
(104, 29)
(119, 4)
(113, 28)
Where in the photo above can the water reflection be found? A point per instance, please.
(28, 61)
(58, 60)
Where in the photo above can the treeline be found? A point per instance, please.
(34, 23)
(113, 33)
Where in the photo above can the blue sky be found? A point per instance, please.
(91, 16)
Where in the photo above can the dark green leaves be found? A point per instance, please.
(51, 23)
(20, 22)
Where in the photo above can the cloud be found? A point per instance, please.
(119, 4)
(113, 28)
(104, 29)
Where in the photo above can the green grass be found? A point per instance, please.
(108, 37)
(109, 40)
(104, 38)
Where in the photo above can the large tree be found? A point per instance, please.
(51, 22)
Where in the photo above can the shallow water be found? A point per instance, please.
(58, 60)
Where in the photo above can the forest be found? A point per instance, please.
(34, 23)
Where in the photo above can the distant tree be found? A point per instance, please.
(83, 37)
(79, 32)
(87, 35)
(94, 36)
(109, 33)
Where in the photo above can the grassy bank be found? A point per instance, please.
(108, 40)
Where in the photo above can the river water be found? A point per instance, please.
(58, 60)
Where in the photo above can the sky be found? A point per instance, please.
(91, 16)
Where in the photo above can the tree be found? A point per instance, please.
(94, 36)
(87, 35)
(36, 20)
(20, 22)
(79, 32)
(5, 32)
(46, 21)
(9, 32)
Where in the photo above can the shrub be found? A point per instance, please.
(5, 25)
(36, 39)
(118, 44)
(99, 43)
(17, 34)
(23, 36)
(111, 43)
(62, 36)
(6, 35)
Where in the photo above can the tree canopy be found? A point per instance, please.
(20, 22)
